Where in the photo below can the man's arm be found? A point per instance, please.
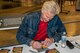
(22, 32)
(60, 30)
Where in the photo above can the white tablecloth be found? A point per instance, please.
(59, 48)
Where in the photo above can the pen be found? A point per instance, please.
(77, 47)
(56, 45)
(77, 44)
(32, 51)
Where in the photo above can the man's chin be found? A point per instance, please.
(46, 21)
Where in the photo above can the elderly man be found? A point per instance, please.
(41, 28)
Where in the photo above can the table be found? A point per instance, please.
(59, 48)
(67, 50)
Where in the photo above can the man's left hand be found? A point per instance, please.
(47, 42)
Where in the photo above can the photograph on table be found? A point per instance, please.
(54, 50)
(17, 49)
(4, 51)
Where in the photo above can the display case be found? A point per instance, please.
(12, 11)
(7, 4)
(78, 5)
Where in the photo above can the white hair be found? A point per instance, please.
(52, 6)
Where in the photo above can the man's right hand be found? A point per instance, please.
(36, 45)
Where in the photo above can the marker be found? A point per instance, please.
(56, 45)
(77, 44)
(32, 51)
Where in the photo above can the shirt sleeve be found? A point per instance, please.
(22, 32)
(59, 31)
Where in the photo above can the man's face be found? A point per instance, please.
(47, 15)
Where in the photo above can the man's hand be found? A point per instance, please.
(47, 42)
(36, 45)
